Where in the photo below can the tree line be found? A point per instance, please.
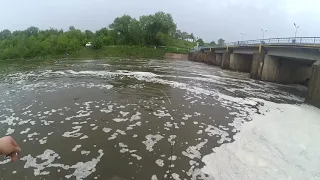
(157, 29)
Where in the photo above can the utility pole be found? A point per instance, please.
(295, 35)
(242, 35)
(263, 31)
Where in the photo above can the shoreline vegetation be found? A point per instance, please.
(130, 52)
(149, 36)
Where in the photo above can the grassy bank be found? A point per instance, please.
(127, 52)
(141, 52)
(120, 51)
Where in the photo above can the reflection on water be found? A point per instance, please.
(124, 119)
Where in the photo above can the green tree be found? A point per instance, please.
(178, 34)
(164, 39)
(89, 35)
(97, 43)
(135, 33)
(121, 25)
(192, 37)
(212, 43)
(157, 29)
(72, 28)
(32, 31)
(5, 34)
(200, 41)
(184, 35)
(221, 42)
(159, 22)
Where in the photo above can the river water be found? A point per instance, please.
(126, 119)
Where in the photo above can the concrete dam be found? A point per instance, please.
(285, 63)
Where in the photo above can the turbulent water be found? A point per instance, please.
(153, 119)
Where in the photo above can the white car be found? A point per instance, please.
(89, 44)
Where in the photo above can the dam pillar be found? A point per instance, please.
(270, 68)
(210, 58)
(225, 64)
(313, 96)
(198, 57)
(190, 56)
(256, 66)
(218, 60)
(203, 57)
(240, 62)
(286, 71)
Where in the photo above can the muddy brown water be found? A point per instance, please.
(123, 119)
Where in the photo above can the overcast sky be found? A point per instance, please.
(208, 19)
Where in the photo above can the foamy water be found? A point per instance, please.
(153, 120)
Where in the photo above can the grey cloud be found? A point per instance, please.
(209, 19)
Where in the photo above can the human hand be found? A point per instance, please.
(9, 147)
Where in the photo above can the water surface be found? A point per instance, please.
(124, 119)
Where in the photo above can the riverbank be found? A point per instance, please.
(176, 56)
(136, 52)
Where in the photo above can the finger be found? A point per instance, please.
(17, 150)
(13, 142)
(14, 157)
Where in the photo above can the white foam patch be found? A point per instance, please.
(124, 114)
(136, 156)
(138, 123)
(151, 141)
(161, 114)
(173, 158)
(109, 110)
(5, 161)
(175, 176)
(33, 134)
(120, 119)
(194, 151)
(10, 120)
(186, 117)
(106, 130)
(123, 148)
(211, 131)
(100, 86)
(81, 113)
(85, 152)
(171, 139)
(81, 169)
(76, 147)
(154, 177)
(160, 162)
(74, 133)
(43, 140)
(9, 131)
(135, 116)
(113, 136)
(84, 137)
(281, 144)
(121, 132)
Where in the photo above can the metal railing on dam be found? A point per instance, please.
(289, 41)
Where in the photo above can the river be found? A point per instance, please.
(139, 119)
